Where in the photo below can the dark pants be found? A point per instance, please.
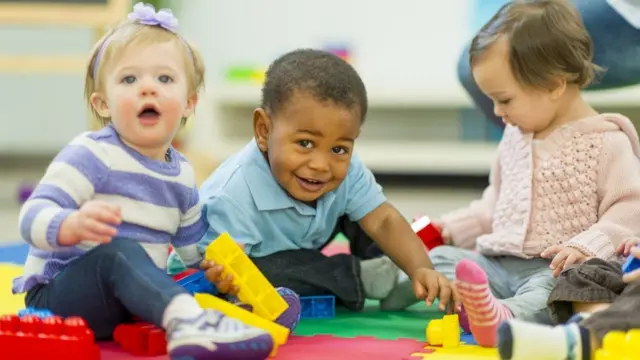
(616, 48)
(597, 281)
(309, 272)
(108, 286)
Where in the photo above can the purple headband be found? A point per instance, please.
(145, 14)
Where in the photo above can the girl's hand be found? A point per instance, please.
(95, 221)
(563, 257)
(624, 248)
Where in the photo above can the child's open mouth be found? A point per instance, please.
(311, 185)
(149, 115)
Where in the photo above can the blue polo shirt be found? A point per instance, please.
(244, 199)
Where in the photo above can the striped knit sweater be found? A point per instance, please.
(158, 200)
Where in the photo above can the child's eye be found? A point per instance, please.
(305, 144)
(165, 79)
(504, 102)
(129, 79)
(339, 150)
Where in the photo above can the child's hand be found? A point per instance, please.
(95, 221)
(563, 257)
(429, 284)
(625, 248)
(213, 273)
(635, 274)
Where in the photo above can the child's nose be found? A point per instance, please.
(147, 89)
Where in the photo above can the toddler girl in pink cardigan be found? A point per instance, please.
(565, 185)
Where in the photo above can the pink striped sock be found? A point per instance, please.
(485, 312)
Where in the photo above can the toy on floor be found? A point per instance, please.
(631, 264)
(318, 307)
(619, 345)
(196, 283)
(428, 233)
(141, 339)
(34, 337)
(444, 332)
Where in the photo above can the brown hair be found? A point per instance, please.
(547, 40)
(131, 33)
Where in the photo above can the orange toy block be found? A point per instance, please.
(444, 332)
(255, 289)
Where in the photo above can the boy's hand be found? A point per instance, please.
(213, 273)
(429, 284)
(624, 248)
(635, 274)
(563, 257)
(95, 221)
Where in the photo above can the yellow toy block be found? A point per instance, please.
(278, 332)
(254, 288)
(445, 332)
(619, 345)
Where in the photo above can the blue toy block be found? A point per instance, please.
(318, 307)
(198, 283)
(631, 264)
(41, 313)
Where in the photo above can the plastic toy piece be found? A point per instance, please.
(444, 332)
(619, 345)
(631, 264)
(197, 283)
(428, 233)
(30, 337)
(255, 289)
(184, 274)
(141, 339)
(279, 333)
(318, 307)
(41, 313)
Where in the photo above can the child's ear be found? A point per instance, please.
(559, 88)
(99, 103)
(261, 128)
(191, 105)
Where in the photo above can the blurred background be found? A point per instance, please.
(428, 146)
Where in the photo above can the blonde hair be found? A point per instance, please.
(132, 33)
(547, 40)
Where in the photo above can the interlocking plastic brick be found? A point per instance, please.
(197, 283)
(318, 307)
(41, 313)
(31, 337)
(254, 288)
(141, 339)
(427, 232)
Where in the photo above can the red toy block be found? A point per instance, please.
(31, 337)
(141, 339)
(428, 233)
(184, 274)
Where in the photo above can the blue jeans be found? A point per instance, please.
(108, 286)
(616, 48)
(522, 285)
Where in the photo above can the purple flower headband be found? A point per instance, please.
(145, 14)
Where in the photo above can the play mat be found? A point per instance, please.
(370, 335)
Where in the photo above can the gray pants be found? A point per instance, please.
(523, 285)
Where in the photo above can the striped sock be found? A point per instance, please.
(484, 311)
(520, 340)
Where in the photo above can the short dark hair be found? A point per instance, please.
(321, 74)
(547, 39)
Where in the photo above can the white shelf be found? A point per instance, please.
(245, 95)
(451, 158)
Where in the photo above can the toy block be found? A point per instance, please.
(41, 313)
(428, 233)
(31, 337)
(254, 288)
(141, 339)
(630, 264)
(618, 345)
(279, 333)
(444, 332)
(197, 283)
(184, 274)
(318, 307)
